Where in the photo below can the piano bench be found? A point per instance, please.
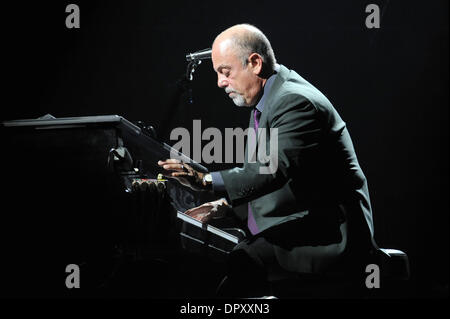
(394, 264)
(314, 286)
(394, 273)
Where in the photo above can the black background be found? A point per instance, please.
(390, 85)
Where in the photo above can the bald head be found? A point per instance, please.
(245, 39)
(243, 60)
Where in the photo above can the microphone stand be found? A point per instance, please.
(183, 84)
(190, 76)
(191, 69)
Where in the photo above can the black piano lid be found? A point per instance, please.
(50, 122)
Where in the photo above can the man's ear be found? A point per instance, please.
(255, 62)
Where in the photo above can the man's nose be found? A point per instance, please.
(222, 82)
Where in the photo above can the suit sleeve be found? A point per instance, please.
(299, 132)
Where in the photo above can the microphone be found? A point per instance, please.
(199, 55)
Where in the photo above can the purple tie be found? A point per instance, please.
(251, 223)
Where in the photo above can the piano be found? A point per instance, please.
(85, 191)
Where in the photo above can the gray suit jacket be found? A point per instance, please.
(318, 183)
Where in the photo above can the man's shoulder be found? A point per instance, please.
(290, 88)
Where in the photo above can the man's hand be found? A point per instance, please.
(208, 211)
(184, 173)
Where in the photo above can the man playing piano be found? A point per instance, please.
(313, 214)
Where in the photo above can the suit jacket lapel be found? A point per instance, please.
(280, 78)
(273, 93)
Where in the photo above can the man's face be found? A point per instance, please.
(240, 83)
